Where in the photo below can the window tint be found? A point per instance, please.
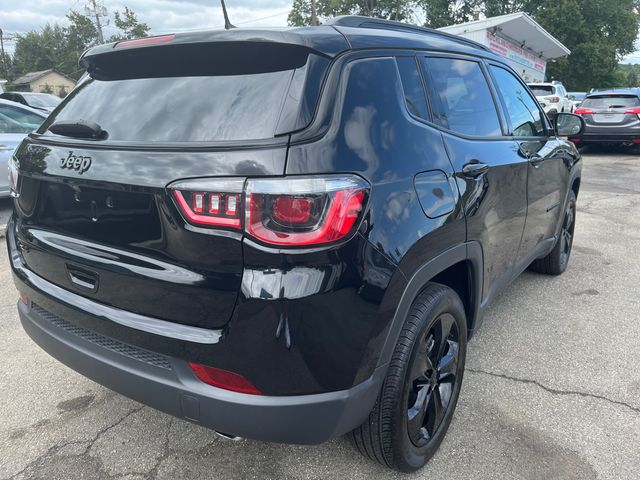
(414, 94)
(611, 101)
(526, 120)
(29, 120)
(542, 90)
(461, 99)
(181, 109)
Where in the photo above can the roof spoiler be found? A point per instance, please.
(218, 52)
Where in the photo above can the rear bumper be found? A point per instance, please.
(167, 384)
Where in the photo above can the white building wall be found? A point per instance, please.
(529, 67)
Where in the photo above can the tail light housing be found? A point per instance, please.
(632, 111)
(286, 211)
(554, 99)
(304, 211)
(211, 203)
(583, 111)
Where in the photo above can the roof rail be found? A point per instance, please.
(370, 22)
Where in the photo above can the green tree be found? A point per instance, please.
(39, 50)
(300, 14)
(598, 33)
(127, 22)
(400, 10)
(62, 92)
(632, 78)
(46, 89)
(6, 66)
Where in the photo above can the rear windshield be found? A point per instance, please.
(181, 109)
(611, 101)
(542, 90)
(41, 100)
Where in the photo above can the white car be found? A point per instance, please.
(552, 96)
(16, 122)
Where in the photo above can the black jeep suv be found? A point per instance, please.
(288, 235)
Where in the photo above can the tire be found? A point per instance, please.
(557, 261)
(413, 389)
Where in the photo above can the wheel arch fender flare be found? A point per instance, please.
(468, 251)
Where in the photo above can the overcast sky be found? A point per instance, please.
(163, 16)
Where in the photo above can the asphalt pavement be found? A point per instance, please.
(551, 391)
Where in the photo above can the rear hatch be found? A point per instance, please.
(545, 94)
(603, 112)
(94, 214)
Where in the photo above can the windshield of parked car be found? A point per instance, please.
(18, 120)
(576, 95)
(611, 101)
(181, 109)
(41, 100)
(542, 90)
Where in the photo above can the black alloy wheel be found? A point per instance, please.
(557, 260)
(433, 379)
(420, 391)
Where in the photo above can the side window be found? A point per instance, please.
(526, 120)
(461, 99)
(414, 95)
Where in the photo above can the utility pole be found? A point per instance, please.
(314, 16)
(96, 9)
(227, 23)
(4, 64)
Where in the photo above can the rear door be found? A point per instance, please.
(547, 177)
(492, 175)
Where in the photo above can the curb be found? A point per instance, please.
(3, 230)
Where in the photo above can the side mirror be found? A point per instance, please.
(568, 124)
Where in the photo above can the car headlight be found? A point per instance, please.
(14, 176)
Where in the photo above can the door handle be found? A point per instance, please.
(536, 160)
(474, 169)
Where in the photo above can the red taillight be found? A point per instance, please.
(575, 140)
(304, 211)
(139, 42)
(217, 377)
(213, 203)
(292, 210)
(289, 211)
(554, 99)
(583, 111)
(193, 204)
(632, 111)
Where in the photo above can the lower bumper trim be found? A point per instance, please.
(302, 419)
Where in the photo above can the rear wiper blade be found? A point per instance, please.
(79, 129)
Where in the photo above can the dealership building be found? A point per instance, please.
(526, 45)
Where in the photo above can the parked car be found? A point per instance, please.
(303, 254)
(611, 117)
(552, 97)
(576, 99)
(41, 101)
(16, 121)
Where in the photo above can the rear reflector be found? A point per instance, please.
(575, 140)
(217, 377)
(140, 42)
(635, 140)
(23, 297)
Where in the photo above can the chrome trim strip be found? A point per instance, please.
(116, 315)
